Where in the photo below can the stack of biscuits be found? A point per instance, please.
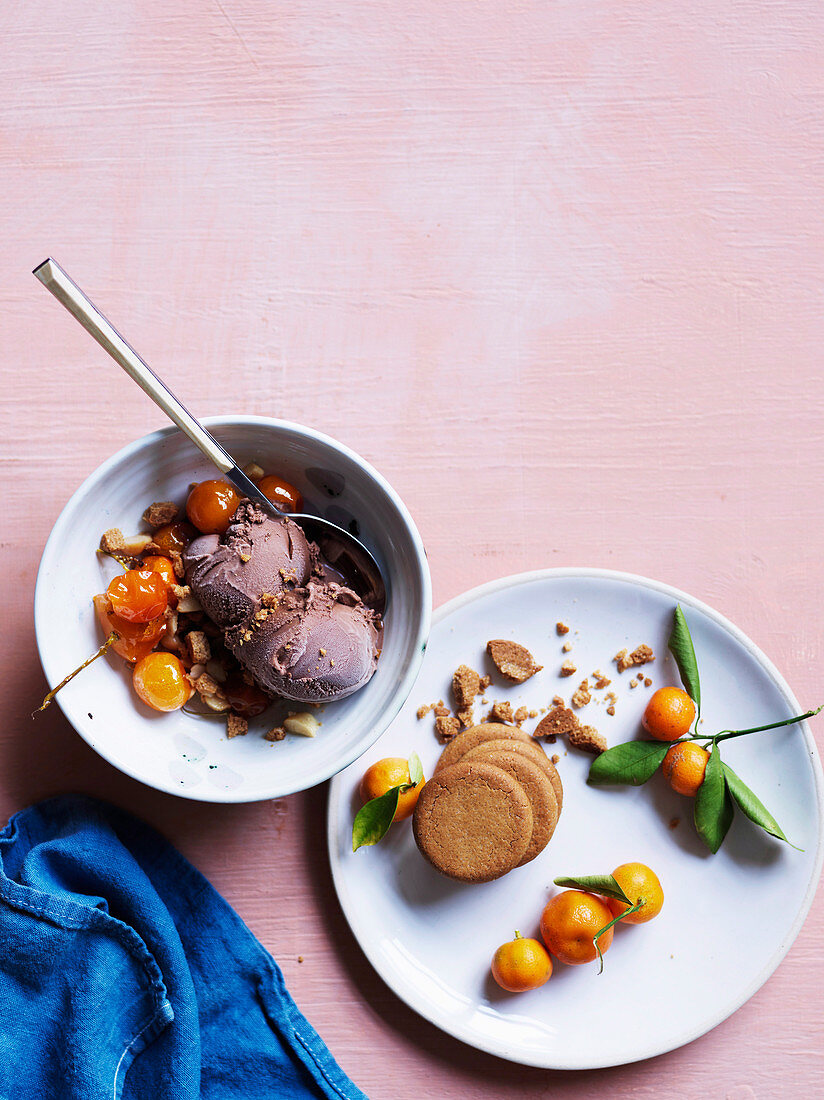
(491, 805)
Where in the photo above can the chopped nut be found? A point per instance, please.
(112, 541)
(582, 696)
(216, 702)
(446, 727)
(501, 712)
(253, 471)
(216, 671)
(588, 739)
(195, 671)
(189, 605)
(562, 628)
(557, 723)
(513, 661)
(568, 669)
(198, 645)
(160, 513)
(235, 725)
(422, 710)
(135, 545)
(466, 684)
(277, 733)
(303, 723)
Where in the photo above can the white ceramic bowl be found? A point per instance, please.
(179, 753)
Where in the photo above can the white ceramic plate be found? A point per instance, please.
(176, 752)
(727, 920)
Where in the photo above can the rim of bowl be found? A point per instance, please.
(421, 637)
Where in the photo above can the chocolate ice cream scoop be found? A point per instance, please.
(258, 555)
(315, 644)
(299, 633)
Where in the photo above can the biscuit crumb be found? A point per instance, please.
(235, 725)
(557, 701)
(568, 669)
(611, 710)
(554, 758)
(674, 822)
(513, 661)
(112, 541)
(647, 682)
(557, 723)
(200, 652)
(276, 733)
(424, 709)
(532, 714)
(466, 718)
(601, 681)
(176, 559)
(206, 685)
(588, 739)
(161, 513)
(566, 647)
(440, 710)
(520, 716)
(501, 712)
(485, 682)
(641, 655)
(446, 727)
(562, 628)
(582, 696)
(466, 684)
(300, 957)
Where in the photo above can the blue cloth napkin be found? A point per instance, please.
(124, 974)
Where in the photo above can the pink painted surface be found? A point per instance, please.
(554, 268)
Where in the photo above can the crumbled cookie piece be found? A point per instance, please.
(588, 739)
(198, 646)
(466, 718)
(441, 710)
(205, 685)
(640, 677)
(641, 655)
(485, 682)
(446, 727)
(554, 758)
(520, 716)
(501, 712)
(112, 541)
(582, 696)
(601, 680)
(532, 714)
(557, 723)
(160, 513)
(562, 628)
(513, 661)
(557, 701)
(235, 725)
(647, 682)
(176, 559)
(611, 710)
(424, 709)
(276, 733)
(633, 683)
(466, 684)
(568, 668)
(566, 647)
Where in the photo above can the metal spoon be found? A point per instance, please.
(338, 547)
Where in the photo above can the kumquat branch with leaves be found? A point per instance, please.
(690, 761)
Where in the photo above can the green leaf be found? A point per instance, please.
(634, 763)
(681, 647)
(374, 818)
(753, 807)
(713, 804)
(415, 769)
(595, 884)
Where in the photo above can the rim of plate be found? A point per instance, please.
(503, 1050)
(406, 684)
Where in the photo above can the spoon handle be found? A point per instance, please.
(69, 294)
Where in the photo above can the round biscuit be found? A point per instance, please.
(538, 790)
(476, 735)
(530, 749)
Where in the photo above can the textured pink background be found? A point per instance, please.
(555, 268)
